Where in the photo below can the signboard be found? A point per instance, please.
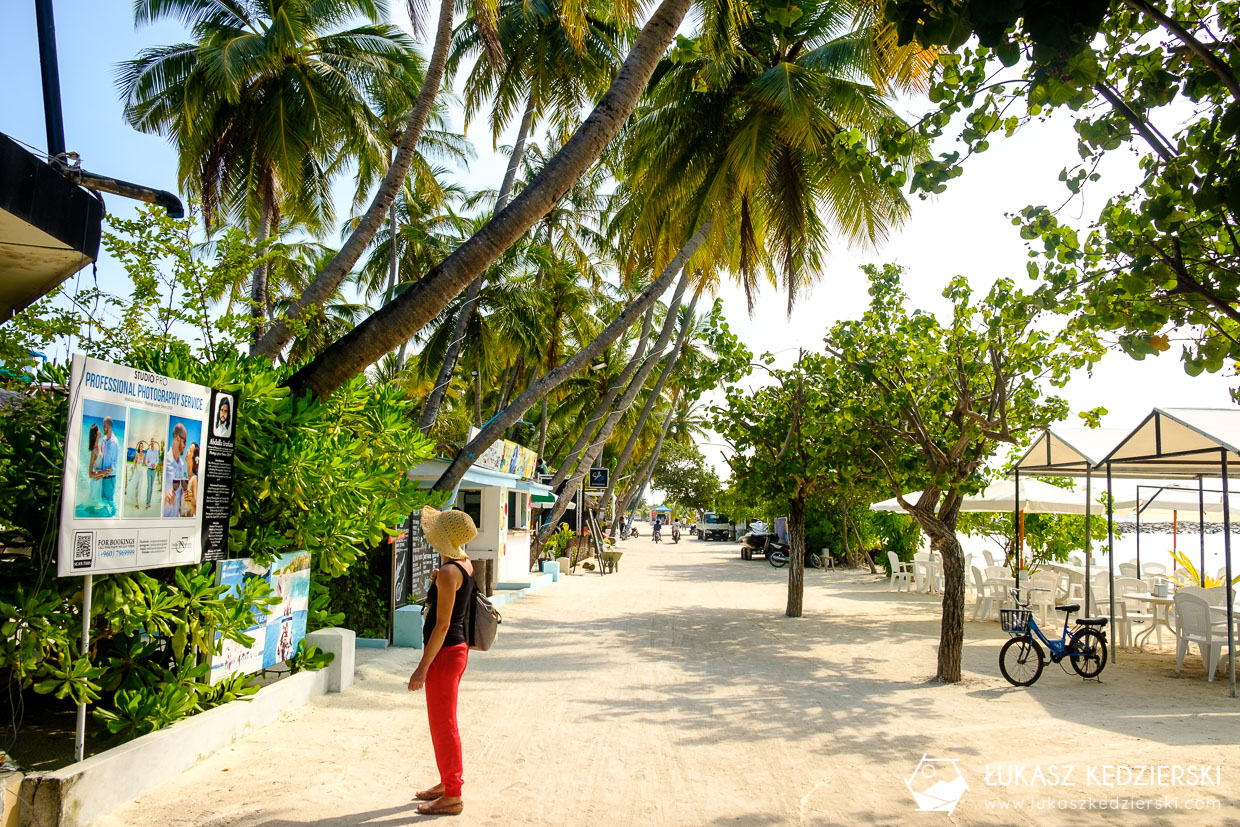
(508, 457)
(400, 569)
(423, 559)
(141, 455)
(276, 629)
(598, 478)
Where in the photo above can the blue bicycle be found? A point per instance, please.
(1021, 659)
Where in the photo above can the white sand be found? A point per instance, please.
(676, 692)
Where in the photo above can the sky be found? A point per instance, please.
(965, 231)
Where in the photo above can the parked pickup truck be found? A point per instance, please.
(714, 527)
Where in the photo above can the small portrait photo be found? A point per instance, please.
(222, 421)
(100, 460)
(145, 438)
(182, 464)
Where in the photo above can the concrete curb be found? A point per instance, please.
(80, 793)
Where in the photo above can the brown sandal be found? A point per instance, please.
(429, 795)
(444, 810)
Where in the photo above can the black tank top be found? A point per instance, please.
(460, 607)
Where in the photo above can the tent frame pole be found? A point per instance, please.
(1231, 598)
(1201, 525)
(1089, 482)
(1111, 554)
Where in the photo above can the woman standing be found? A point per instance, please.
(445, 651)
(189, 503)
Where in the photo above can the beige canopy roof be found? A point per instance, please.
(1180, 443)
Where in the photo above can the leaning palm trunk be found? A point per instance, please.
(609, 426)
(627, 454)
(630, 497)
(403, 317)
(504, 420)
(325, 284)
(430, 410)
(604, 406)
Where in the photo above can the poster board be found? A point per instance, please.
(401, 574)
(147, 472)
(276, 629)
(508, 457)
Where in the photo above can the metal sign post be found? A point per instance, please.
(79, 741)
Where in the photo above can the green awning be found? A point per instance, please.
(543, 499)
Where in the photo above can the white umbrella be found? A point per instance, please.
(1000, 497)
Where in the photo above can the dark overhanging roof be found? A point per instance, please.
(49, 227)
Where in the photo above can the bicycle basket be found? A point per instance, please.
(1015, 621)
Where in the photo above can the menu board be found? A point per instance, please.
(423, 559)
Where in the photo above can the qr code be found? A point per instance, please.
(83, 549)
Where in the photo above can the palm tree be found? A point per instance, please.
(755, 127)
(554, 71)
(262, 100)
(403, 317)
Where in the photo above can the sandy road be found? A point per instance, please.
(677, 693)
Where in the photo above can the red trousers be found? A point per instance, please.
(442, 681)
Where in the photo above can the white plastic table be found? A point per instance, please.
(1160, 618)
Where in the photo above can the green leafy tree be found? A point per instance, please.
(686, 478)
(941, 397)
(1160, 261)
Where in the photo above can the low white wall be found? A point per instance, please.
(82, 792)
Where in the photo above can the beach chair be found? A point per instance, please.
(901, 573)
(986, 594)
(1194, 625)
(1044, 601)
(1128, 569)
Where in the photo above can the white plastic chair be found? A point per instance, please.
(901, 573)
(1128, 569)
(1193, 625)
(1077, 560)
(1152, 568)
(990, 558)
(1184, 578)
(1134, 610)
(1044, 601)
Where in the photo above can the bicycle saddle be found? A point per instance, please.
(1091, 621)
(1069, 608)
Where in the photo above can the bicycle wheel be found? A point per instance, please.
(1021, 661)
(1088, 653)
(815, 560)
(778, 559)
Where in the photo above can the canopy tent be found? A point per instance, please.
(1170, 443)
(1187, 443)
(662, 508)
(1035, 497)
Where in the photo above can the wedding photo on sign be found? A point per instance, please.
(135, 461)
(277, 629)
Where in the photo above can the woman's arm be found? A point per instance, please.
(447, 584)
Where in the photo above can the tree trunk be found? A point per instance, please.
(477, 394)
(941, 529)
(596, 449)
(542, 430)
(578, 361)
(393, 252)
(319, 290)
(627, 454)
(403, 317)
(647, 469)
(603, 408)
(430, 410)
(796, 555)
(258, 279)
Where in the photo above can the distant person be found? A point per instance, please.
(445, 652)
(110, 455)
(94, 496)
(134, 486)
(174, 473)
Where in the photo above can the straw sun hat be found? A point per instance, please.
(447, 531)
